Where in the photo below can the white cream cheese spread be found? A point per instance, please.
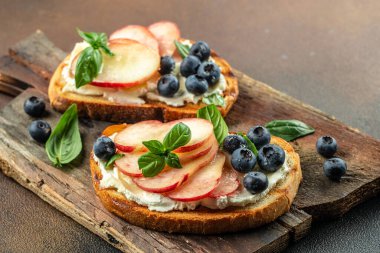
(136, 95)
(158, 202)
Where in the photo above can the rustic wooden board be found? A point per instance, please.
(70, 191)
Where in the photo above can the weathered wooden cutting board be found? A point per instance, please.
(70, 190)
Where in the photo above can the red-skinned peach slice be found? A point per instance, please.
(202, 183)
(198, 152)
(128, 164)
(131, 138)
(228, 183)
(132, 64)
(138, 33)
(110, 130)
(171, 178)
(166, 33)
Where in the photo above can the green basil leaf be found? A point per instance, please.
(250, 145)
(151, 164)
(88, 66)
(289, 129)
(96, 40)
(178, 136)
(212, 114)
(112, 160)
(173, 161)
(64, 143)
(182, 49)
(155, 147)
(215, 99)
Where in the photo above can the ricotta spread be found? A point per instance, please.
(113, 178)
(135, 95)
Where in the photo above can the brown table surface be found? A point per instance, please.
(325, 53)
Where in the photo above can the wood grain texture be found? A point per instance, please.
(68, 190)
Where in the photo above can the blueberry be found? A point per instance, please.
(233, 142)
(334, 168)
(196, 85)
(271, 157)
(104, 148)
(168, 85)
(40, 130)
(209, 71)
(259, 135)
(326, 146)
(255, 182)
(201, 50)
(189, 66)
(243, 160)
(167, 65)
(34, 106)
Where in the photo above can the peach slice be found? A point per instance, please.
(132, 137)
(138, 33)
(166, 33)
(132, 64)
(228, 183)
(170, 179)
(202, 183)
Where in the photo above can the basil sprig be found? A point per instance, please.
(289, 129)
(215, 99)
(182, 49)
(64, 143)
(160, 154)
(212, 114)
(112, 160)
(90, 59)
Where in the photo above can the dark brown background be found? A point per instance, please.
(325, 53)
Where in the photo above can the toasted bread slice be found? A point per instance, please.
(203, 220)
(96, 107)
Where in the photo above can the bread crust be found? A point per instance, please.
(96, 107)
(203, 220)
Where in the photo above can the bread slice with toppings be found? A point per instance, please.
(129, 105)
(203, 220)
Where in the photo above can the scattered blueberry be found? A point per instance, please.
(196, 85)
(334, 168)
(243, 160)
(255, 182)
(34, 106)
(233, 142)
(168, 85)
(271, 157)
(259, 135)
(326, 146)
(201, 50)
(189, 66)
(104, 148)
(40, 130)
(167, 65)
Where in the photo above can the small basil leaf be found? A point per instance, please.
(151, 164)
(289, 129)
(173, 161)
(64, 143)
(250, 145)
(96, 40)
(212, 114)
(88, 66)
(112, 160)
(178, 136)
(215, 99)
(182, 49)
(155, 147)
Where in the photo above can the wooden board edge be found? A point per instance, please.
(298, 222)
(46, 194)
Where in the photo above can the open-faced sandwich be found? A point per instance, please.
(192, 176)
(142, 73)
